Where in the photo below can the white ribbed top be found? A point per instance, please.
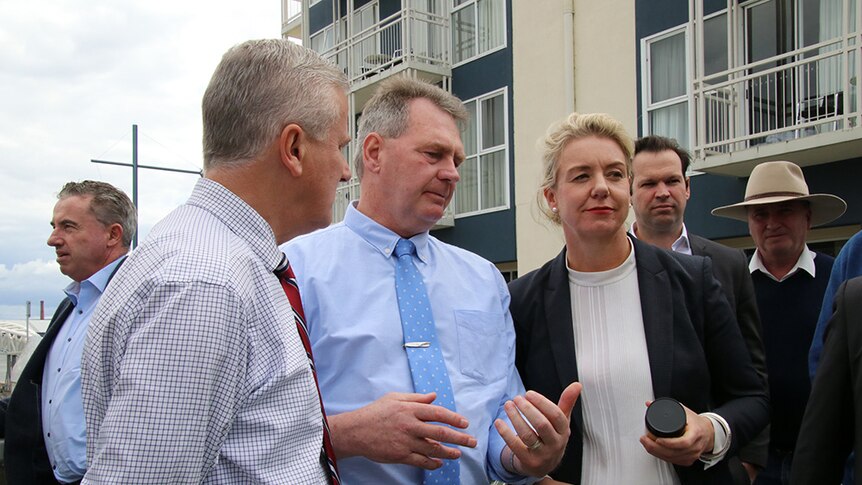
(613, 366)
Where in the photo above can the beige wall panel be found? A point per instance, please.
(605, 61)
(567, 55)
(540, 98)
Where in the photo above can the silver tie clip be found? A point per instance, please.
(417, 345)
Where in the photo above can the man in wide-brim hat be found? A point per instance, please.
(773, 182)
(789, 282)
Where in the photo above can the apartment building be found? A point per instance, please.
(742, 82)
(737, 82)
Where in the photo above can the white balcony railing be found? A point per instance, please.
(407, 36)
(801, 93)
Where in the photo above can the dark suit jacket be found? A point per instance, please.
(832, 424)
(25, 454)
(696, 352)
(26, 458)
(730, 267)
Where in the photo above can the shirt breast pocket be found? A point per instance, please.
(482, 345)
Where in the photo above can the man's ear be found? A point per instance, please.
(292, 147)
(115, 234)
(371, 147)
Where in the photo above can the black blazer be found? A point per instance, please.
(695, 349)
(24, 451)
(832, 424)
(730, 267)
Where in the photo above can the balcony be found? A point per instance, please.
(802, 106)
(291, 18)
(407, 40)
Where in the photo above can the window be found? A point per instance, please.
(478, 27)
(484, 184)
(323, 40)
(366, 47)
(666, 85)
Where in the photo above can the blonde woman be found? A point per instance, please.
(632, 323)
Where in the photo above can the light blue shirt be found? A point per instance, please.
(346, 276)
(63, 426)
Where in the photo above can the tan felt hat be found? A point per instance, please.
(773, 182)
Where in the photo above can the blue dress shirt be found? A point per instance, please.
(63, 426)
(848, 264)
(346, 276)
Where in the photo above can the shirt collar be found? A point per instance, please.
(239, 217)
(98, 281)
(379, 237)
(681, 245)
(805, 263)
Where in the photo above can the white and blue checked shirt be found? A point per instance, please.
(193, 371)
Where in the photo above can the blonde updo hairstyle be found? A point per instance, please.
(574, 127)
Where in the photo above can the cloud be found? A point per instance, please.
(32, 281)
(75, 77)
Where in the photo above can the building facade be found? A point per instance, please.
(742, 82)
(737, 82)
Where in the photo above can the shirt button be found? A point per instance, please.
(58, 370)
(50, 401)
(387, 250)
(80, 312)
(49, 435)
(69, 340)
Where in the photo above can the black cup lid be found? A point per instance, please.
(665, 418)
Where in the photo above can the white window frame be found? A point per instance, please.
(480, 151)
(474, 5)
(647, 106)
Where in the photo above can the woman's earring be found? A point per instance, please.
(554, 210)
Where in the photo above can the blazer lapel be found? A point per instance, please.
(657, 311)
(697, 246)
(558, 305)
(33, 370)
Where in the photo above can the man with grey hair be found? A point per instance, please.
(196, 368)
(93, 226)
(424, 388)
(789, 281)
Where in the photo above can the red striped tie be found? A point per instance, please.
(288, 282)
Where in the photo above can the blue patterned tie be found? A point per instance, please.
(423, 350)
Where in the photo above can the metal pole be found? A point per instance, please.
(135, 178)
(27, 317)
(135, 166)
(152, 167)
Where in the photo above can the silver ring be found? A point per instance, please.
(535, 446)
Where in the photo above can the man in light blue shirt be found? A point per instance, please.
(45, 431)
(383, 430)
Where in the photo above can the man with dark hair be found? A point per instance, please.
(660, 192)
(789, 282)
(93, 225)
(196, 368)
(421, 329)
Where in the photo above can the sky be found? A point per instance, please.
(74, 77)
